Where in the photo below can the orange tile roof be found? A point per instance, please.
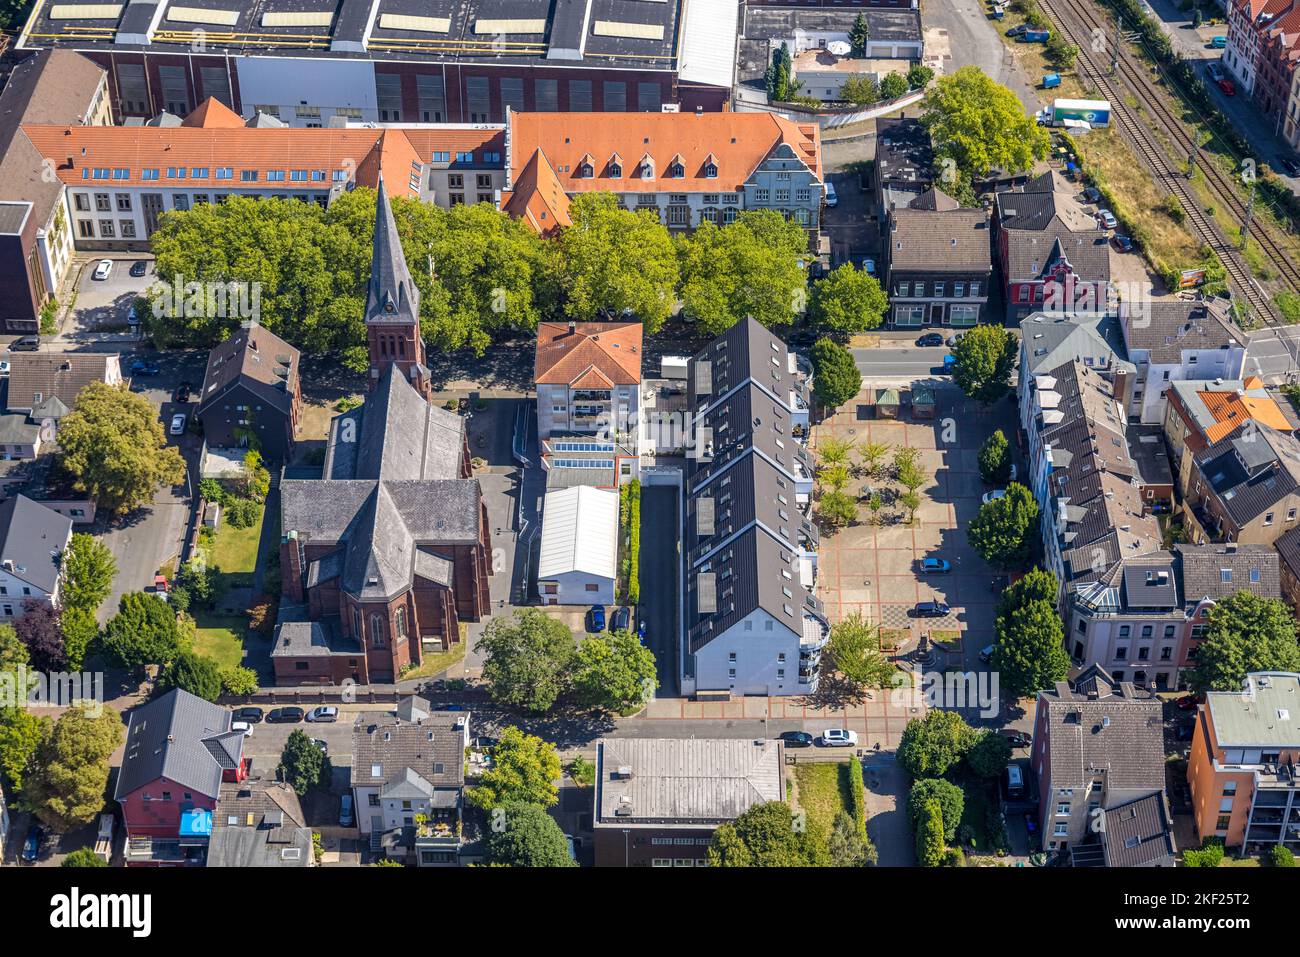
(136, 148)
(538, 198)
(593, 355)
(1231, 409)
(736, 143)
(213, 114)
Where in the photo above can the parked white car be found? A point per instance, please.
(996, 493)
(838, 738)
(102, 270)
(243, 726)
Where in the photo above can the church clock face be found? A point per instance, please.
(388, 306)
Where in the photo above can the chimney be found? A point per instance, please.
(573, 327)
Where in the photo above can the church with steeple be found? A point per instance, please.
(393, 306)
(388, 552)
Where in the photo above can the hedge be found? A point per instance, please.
(629, 514)
(857, 795)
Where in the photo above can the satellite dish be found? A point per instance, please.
(839, 48)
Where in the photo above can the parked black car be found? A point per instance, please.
(622, 619)
(250, 715)
(183, 392)
(285, 716)
(931, 339)
(139, 268)
(1291, 166)
(1017, 739)
(797, 739)
(33, 843)
(931, 609)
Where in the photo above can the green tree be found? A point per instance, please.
(846, 845)
(257, 479)
(1246, 633)
(988, 755)
(854, 647)
(837, 508)
(751, 267)
(191, 672)
(303, 765)
(834, 451)
(933, 745)
(836, 378)
(848, 300)
(929, 836)
(112, 444)
(860, 90)
(893, 86)
(984, 358)
(919, 75)
(498, 274)
(614, 672)
(83, 857)
(1209, 855)
(1061, 52)
(21, 736)
(88, 572)
(950, 798)
(238, 681)
(766, 836)
(910, 500)
(1037, 584)
(527, 659)
(69, 776)
(524, 769)
(780, 81)
(871, 455)
(1004, 528)
(1028, 648)
(143, 632)
(1281, 856)
(615, 260)
(80, 631)
(530, 838)
(859, 36)
(995, 459)
(907, 468)
(980, 125)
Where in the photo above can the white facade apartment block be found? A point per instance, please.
(758, 655)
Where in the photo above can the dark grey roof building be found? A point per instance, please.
(32, 540)
(1098, 746)
(252, 389)
(1246, 486)
(753, 623)
(178, 738)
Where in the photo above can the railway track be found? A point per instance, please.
(1079, 20)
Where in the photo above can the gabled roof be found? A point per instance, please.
(181, 738)
(32, 539)
(61, 374)
(1166, 329)
(538, 197)
(1139, 834)
(737, 142)
(259, 823)
(1217, 571)
(1251, 469)
(392, 483)
(1102, 726)
(944, 239)
(213, 114)
(257, 359)
(428, 752)
(566, 352)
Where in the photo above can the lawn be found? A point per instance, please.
(825, 790)
(221, 637)
(234, 552)
(980, 797)
(435, 663)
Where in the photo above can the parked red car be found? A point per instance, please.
(1188, 702)
(1228, 87)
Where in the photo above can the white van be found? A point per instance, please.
(1015, 780)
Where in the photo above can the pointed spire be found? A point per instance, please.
(392, 296)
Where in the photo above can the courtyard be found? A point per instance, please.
(872, 566)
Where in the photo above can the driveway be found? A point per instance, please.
(660, 570)
(885, 793)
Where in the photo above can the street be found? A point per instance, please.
(901, 362)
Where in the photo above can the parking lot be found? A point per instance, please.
(102, 305)
(874, 569)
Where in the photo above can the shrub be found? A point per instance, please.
(630, 517)
(262, 615)
(945, 794)
(243, 512)
(238, 681)
(1280, 856)
(582, 771)
(1210, 854)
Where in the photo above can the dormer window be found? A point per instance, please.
(647, 167)
(676, 168)
(615, 167)
(710, 167)
(586, 167)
